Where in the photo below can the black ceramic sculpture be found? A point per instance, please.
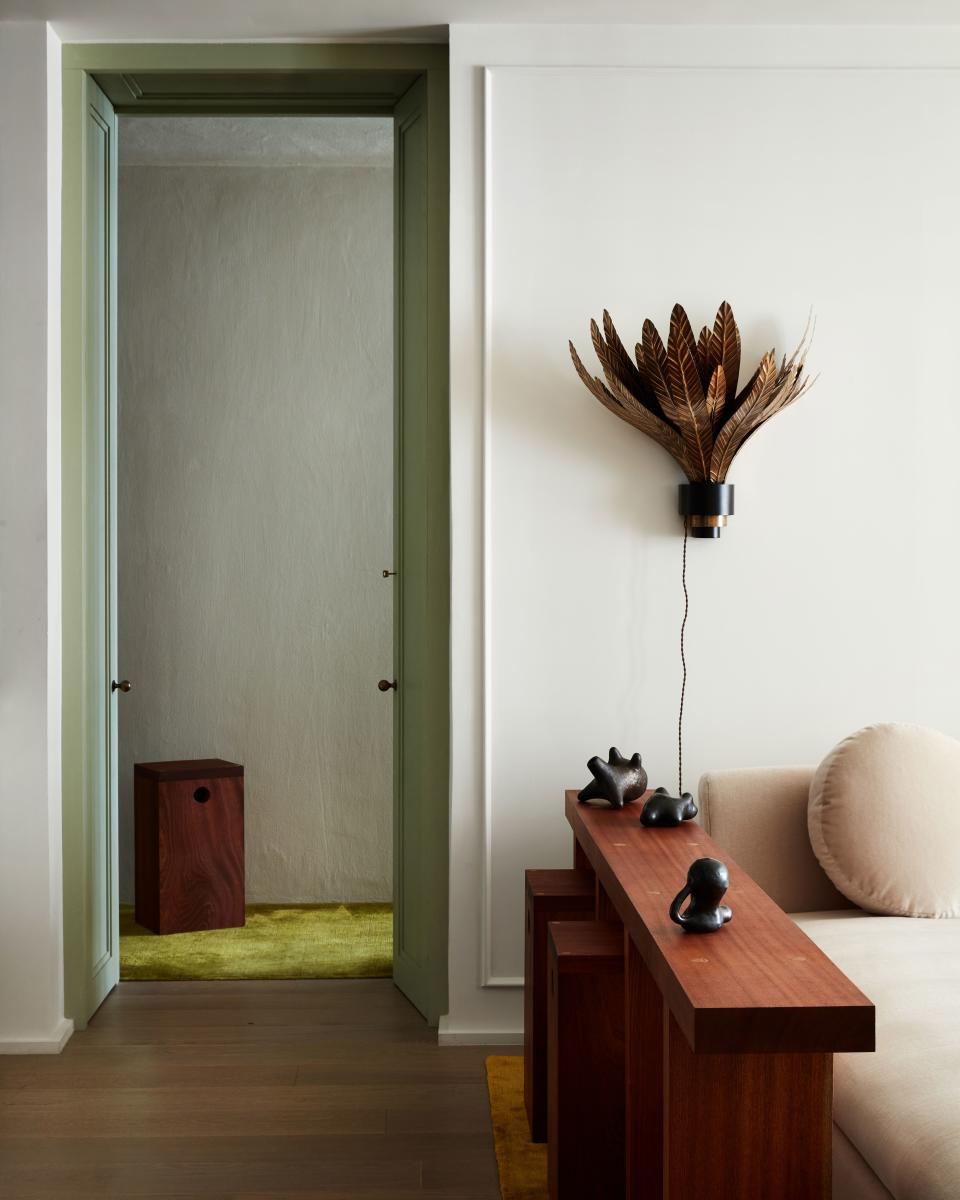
(707, 881)
(619, 781)
(663, 810)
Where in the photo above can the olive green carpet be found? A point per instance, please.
(279, 941)
(522, 1164)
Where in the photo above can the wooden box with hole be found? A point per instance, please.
(188, 819)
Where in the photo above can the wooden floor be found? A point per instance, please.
(258, 1090)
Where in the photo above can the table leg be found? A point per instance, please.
(644, 1079)
(586, 1152)
(604, 909)
(580, 860)
(745, 1125)
(550, 896)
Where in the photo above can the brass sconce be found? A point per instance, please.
(684, 396)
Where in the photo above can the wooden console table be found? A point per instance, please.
(730, 1036)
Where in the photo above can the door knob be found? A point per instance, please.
(385, 685)
(123, 686)
(387, 574)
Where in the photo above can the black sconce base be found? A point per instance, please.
(706, 507)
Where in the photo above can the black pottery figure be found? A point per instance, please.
(619, 781)
(662, 810)
(707, 881)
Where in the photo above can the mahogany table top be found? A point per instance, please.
(758, 984)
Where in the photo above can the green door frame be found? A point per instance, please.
(410, 81)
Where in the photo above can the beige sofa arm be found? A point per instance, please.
(760, 816)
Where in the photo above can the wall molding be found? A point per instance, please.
(652, 50)
(53, 1044)
(488, 979)
(450, 1035)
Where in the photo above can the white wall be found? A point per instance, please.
(31, 924)
(844, 658)
(255, 506)
(631, 169)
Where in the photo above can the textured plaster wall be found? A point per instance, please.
(255, 506)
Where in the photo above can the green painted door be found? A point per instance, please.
(91, 930)
(422, 555)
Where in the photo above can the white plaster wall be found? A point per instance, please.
(630, 169)
(255, 506)
(31, 925)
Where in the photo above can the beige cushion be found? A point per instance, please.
(852, 1177)
(884, 820)
(759, 815)
(898, 1106)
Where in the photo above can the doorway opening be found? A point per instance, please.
(407, 84)
(255, 522)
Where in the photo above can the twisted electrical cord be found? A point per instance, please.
(683, 660)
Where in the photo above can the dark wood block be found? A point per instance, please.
(580, 860)
(550, 896)
(761, 985)
(741, 1125)
(189, 768)
(604, 909)
(586, 1123)
(189, 845)
(644, 1079)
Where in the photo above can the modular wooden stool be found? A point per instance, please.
(188, 835)
(586, 1153)
(551, 896)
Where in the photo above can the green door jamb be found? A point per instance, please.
(350, 78)
(91, 915)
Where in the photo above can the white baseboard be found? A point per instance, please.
(49, 1045)
(448, 1035)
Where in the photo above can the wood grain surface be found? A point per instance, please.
(740, 1125)
(587, 1126)
(644, 1056)
(189, 851)
(189, 768)
(550, 896)
(759, 985)
(253, 1091)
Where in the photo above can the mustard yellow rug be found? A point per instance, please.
(279, 941)
(522, 1163)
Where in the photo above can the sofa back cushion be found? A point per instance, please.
(884, 820)
(759, 815)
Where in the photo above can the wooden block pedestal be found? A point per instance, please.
(189, 845)
(586, 1155)
(565, 895)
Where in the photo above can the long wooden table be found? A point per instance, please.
(730, 1036)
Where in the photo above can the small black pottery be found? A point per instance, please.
(619, 781)
(707, 882)
(662, 810)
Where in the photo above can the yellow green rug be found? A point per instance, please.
(522, 1163)
(279, 941)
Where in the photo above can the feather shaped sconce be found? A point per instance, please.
(684, 395)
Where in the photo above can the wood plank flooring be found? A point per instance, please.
(254, 1091)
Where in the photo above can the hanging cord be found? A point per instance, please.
(683, 660)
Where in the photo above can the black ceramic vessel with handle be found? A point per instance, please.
(707, 883)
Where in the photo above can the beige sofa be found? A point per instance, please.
(896, 1112)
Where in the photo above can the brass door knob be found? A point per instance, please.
(385, 685)
(123, 686)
